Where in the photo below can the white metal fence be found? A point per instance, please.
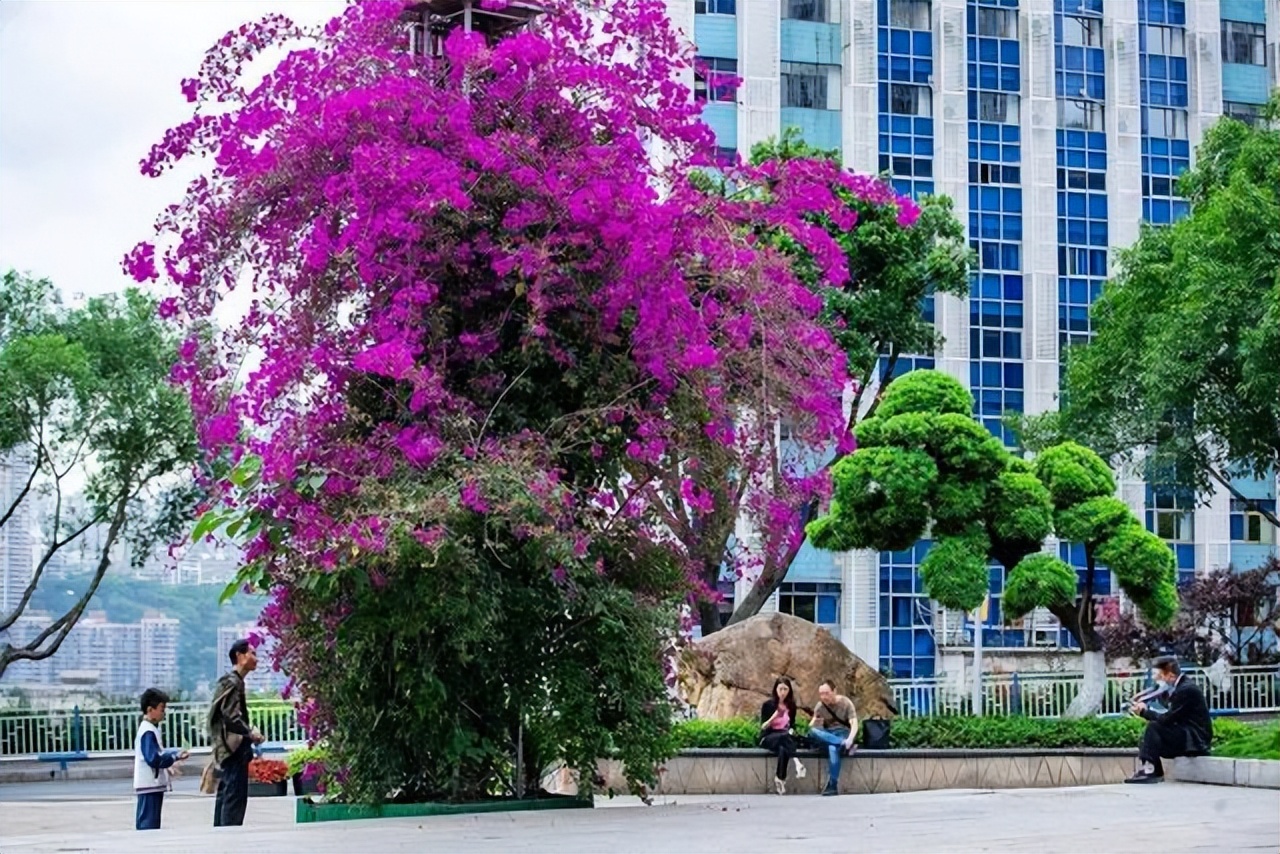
(1248, 689)
(112, 730)
(1038, 695)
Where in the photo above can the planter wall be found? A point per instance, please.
(308, 812)
(268, 790)
(750, 771)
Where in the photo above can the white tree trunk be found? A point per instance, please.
(1092, 689)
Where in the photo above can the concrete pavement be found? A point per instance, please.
(1171, 818)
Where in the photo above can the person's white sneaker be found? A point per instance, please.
(779, 785)
(800, 769)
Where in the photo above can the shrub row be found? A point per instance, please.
(965, 732)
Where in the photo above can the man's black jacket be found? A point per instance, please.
(1188, 712)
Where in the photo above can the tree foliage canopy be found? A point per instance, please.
(1183, 366)
(88, 413)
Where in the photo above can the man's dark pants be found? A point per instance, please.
(1161, 740)
(233, 788)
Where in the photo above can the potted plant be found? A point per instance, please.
(268, 778)
(307, 768)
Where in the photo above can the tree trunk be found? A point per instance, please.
(1078, 620)
(708, 616)
(1092, 689)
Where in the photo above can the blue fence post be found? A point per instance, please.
(77, 730)
(1015, 696)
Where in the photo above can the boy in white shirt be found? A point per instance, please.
(151, 761)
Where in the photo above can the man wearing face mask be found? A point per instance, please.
(1184, 729)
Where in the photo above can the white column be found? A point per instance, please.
(1040, 209)
(860, 102)
(951, 165)
(759, 55)
(861, 617)
(1124, 125)
(1204, 68)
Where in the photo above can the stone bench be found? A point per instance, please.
(750, 771)
(1225, 771)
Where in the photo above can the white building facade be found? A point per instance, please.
(1056, 127)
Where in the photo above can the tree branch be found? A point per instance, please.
(1251, 503)
(26, 488)
(61, 627)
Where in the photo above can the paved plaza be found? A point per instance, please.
(1170, 818)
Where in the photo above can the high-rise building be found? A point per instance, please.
(16, 541)
(158, 651)
(1057, 127)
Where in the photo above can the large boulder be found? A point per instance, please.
(731, 672)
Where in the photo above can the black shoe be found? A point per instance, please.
(1144, 777)
(830, 791)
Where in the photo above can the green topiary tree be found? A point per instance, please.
(924, 465)
(1086, 511)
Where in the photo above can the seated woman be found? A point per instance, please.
(777, 717)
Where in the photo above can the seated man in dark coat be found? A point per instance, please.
(1185, 729)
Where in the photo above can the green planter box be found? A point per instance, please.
(308, 812)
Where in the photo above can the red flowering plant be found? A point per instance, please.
(499, 349)
(268, 771)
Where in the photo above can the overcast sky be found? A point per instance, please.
(85, 89)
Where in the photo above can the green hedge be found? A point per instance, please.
(1247, 741)
(965, 732)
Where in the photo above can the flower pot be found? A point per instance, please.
(268, 790)
(305, 785)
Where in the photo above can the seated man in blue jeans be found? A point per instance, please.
(835, 724)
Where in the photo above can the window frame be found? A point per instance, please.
(1168, 34)
(910, 10)
(715, 7)
(792, 73)
(1168, 116)
(897, 88)
(987, 14)
(1247, 34)
(1007, 99)
(1090, 27)
(704, 88)
(820, 15)
(1090, 109)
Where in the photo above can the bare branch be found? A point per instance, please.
(61, 627)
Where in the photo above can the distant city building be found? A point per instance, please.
(264, 680)
(16, 541)
(115, 659)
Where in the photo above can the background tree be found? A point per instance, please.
(894, 264)
(481, 315)
(1225, 614)
(924, 464)
(1182, 369)
(86, 406)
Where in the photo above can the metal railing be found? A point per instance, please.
(1246, 689)
(112, 730)
(105, 731)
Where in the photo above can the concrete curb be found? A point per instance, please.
(1226, 771)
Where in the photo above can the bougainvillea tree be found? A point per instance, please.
(925, 465)
(476, 319)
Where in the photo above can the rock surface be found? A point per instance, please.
(731, 672)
